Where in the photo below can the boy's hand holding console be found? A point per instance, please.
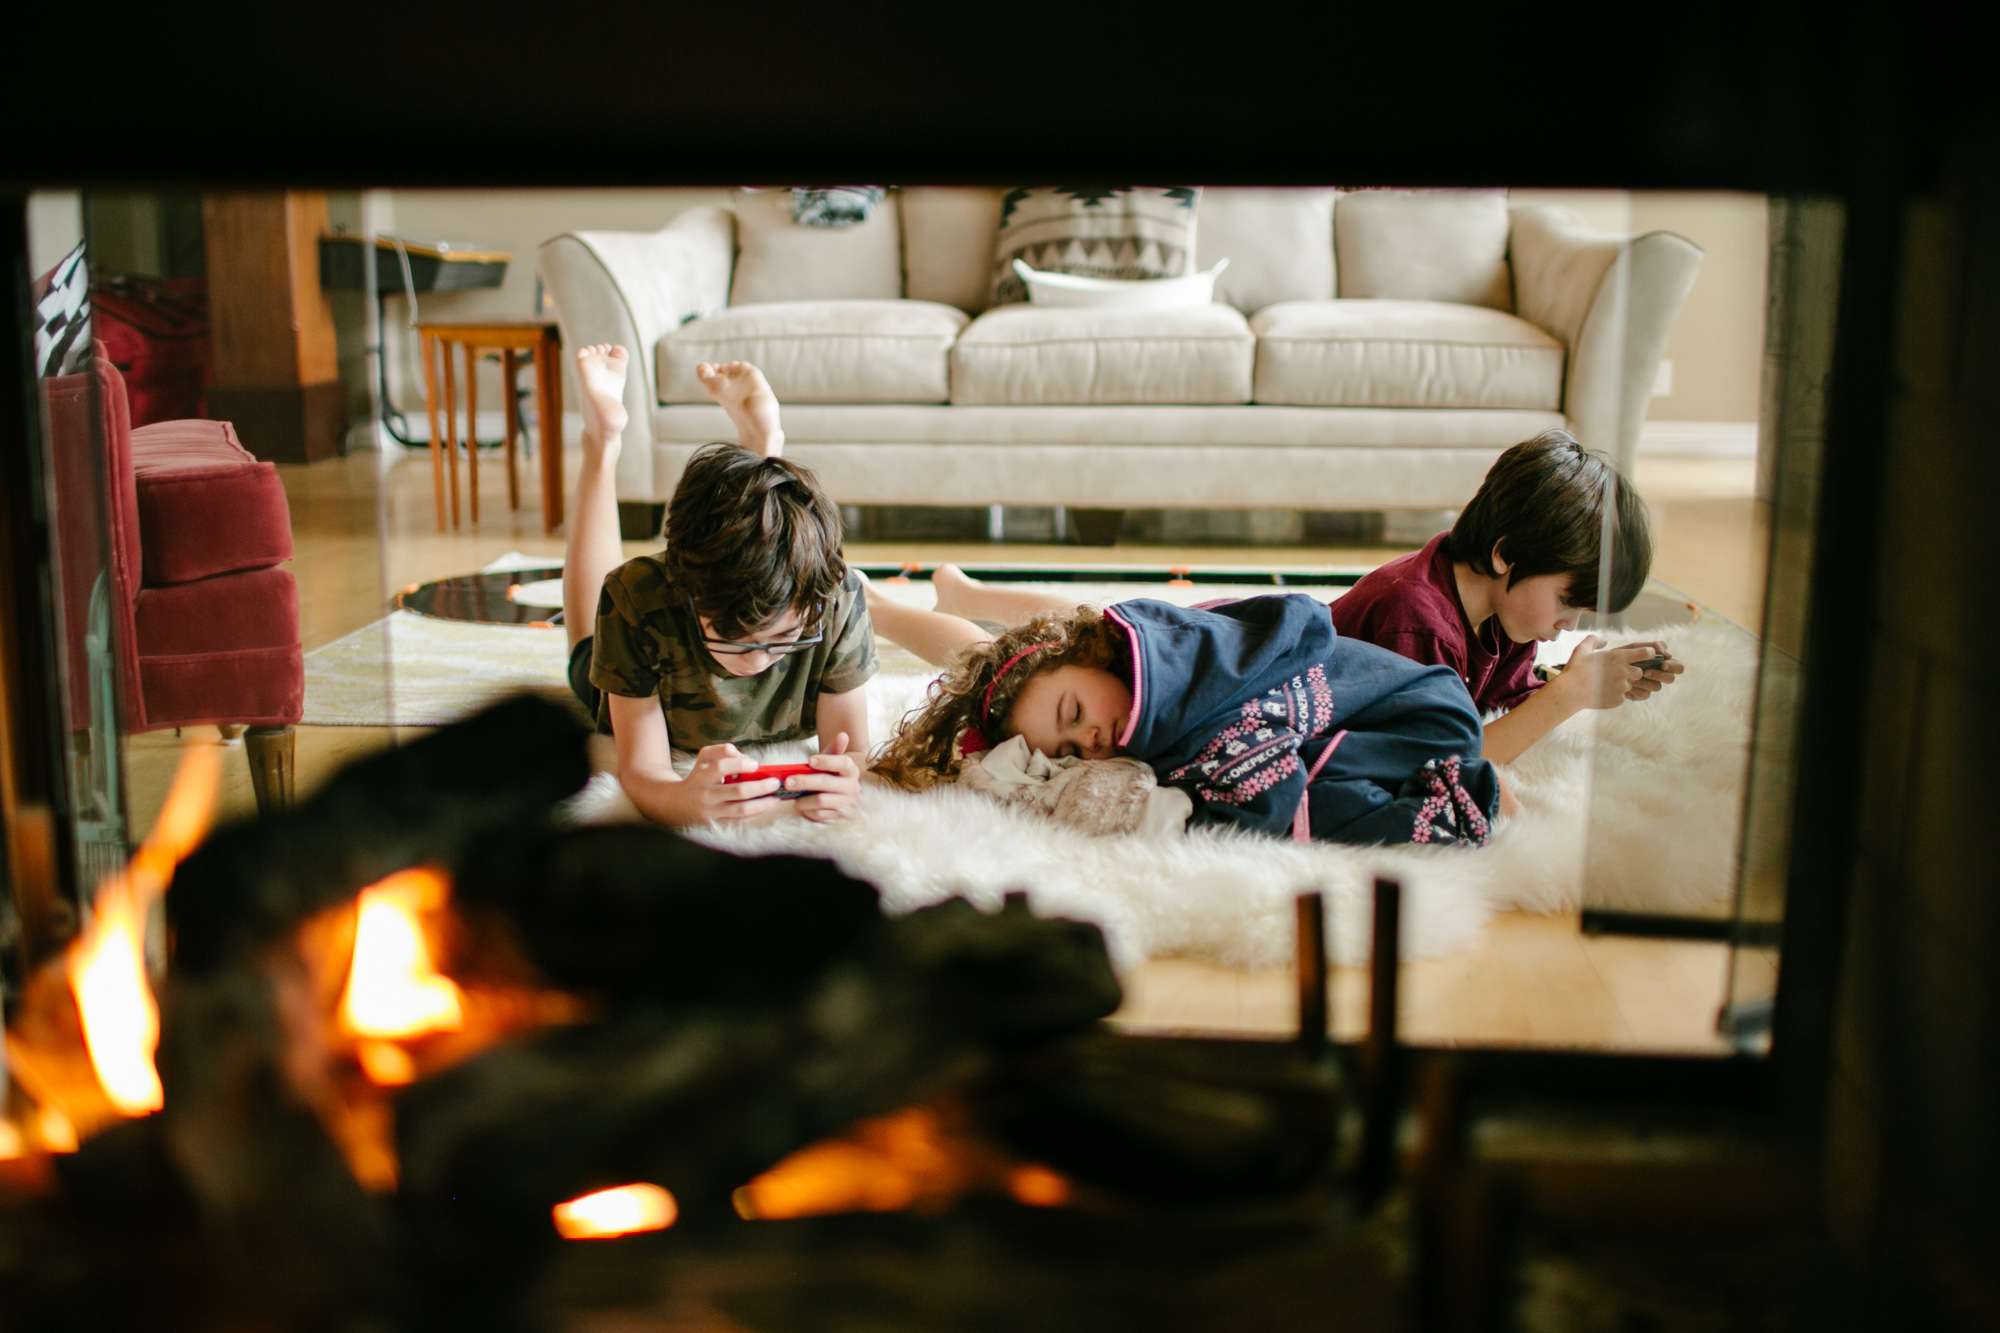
(726, 784)
(1601, 677)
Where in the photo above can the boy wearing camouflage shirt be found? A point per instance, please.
(748, 627)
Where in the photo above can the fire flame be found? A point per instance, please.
(107, 966)
(392, 988)
(616, 1212)
(917, 1157)
(55, 1130)
(121, 1023)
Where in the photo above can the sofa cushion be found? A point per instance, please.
(206, 506)
(1038, 354)
(948, 235)
(777, 259)
(258, 608)
(1111, 232)
(1279, 244)
(686, 427)
(821, 351)
(1403, 354)
(1424, 245)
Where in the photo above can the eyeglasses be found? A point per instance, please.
(739, 648)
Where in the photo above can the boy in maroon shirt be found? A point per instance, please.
(1518, 567)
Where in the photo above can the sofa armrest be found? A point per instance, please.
(634, 288)
(1612, 300)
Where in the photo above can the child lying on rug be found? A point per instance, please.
(748, 627)
(1256, 708)
(1520, 566)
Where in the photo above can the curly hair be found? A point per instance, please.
(924, 750)
(751, 538)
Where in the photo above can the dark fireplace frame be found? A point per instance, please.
(1883, 112)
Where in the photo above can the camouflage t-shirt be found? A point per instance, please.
(649, 642)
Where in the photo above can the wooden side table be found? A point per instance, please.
(510, 339)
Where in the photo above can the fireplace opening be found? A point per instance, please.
(398, 1049)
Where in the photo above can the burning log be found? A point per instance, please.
(496, 776)
(631, 912)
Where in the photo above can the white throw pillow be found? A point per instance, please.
(1067, 289)
(777, 259)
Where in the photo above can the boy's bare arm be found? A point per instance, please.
(1596, 677)
(1535, 717)
(846, 712)
(646, 771)
(843, 747)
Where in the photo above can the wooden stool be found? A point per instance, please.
(509, 339)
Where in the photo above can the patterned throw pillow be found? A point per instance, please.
(1095, 232)
(62, 317)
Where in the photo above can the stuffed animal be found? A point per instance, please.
(1095, 796)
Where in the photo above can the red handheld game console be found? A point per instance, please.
(778, 771)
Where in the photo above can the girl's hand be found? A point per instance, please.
(702, 797)
(836, 787)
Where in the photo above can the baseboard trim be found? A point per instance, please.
(1698, 439)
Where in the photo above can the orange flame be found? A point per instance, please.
(107, 966)
(1038, 1187)
(884, 1165)
(55, 1131)
(921, 1156)
(121, 1023)
(392, 988)
(616, 1212)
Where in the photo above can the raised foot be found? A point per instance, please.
(741, 390)
(953, 586)
(600, 372)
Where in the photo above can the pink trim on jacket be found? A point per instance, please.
(1138, 681)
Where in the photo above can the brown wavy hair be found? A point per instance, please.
(751, 538)
(924, 749)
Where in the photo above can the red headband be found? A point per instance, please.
(973, 739)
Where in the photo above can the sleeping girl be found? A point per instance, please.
(1267, 718)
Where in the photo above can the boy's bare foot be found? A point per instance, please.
(953, 586)
(600, 372)
(742, 391)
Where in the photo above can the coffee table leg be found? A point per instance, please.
(450, 422)
(424, 341)
(513, 425)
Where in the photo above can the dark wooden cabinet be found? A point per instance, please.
(276, 368)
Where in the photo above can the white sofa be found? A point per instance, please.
(1366, 351)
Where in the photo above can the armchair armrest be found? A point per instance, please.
(634, 288)
(1613, 301)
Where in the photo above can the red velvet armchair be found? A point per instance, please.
(205, 616)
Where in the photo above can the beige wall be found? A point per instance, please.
(1716, 349)
(517, 221)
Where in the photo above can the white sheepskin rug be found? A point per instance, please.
(1645, 800)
